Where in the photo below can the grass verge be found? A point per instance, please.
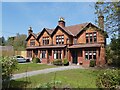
(31, 67)
(76, 78)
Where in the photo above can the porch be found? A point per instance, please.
(82, 54)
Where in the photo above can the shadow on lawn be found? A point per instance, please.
(16, 84)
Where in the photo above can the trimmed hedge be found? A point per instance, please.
(36, 60)
(92, 63)
(57, 62)
(65, 62)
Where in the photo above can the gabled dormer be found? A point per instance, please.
(91, 34)
(32, 38)
(45, 37)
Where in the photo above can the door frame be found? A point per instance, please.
(74, 54)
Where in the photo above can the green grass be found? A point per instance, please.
(82, 78)
(31, 67)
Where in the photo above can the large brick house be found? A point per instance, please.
(78, 43)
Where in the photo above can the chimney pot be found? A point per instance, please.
(30, 30)
(61, 22)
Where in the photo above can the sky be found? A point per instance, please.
(17, 17)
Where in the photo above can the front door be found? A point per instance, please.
(74, 57)
(49, 54)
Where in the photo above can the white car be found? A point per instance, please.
(20, 58)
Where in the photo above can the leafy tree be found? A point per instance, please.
(18, 41)
(10, 41)
(111, 11)
(115, 48)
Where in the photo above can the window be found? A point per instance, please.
(87, 38)
(57, 54)
(89, 55)
(36, 52)
(32, 42)
(94, 55)
(86, 55)
(60, 39)
(75, 40)
(95, 37)
(29, 53)
(43, 53)
(91, 37)
(45, 40)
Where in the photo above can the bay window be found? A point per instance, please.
(91, 37)
(57, 54)
(43, 53)
(45, 40)
(89, 55)
(32, 42)
(60, 39)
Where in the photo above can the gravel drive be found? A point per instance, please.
(43, 71)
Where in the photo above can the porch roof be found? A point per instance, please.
(84, 46)
(46, 47)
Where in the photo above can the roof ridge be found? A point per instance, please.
(78, 24)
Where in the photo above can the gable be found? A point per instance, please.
(44, 31)
(92, 27)
(60, 28)
(30, 35)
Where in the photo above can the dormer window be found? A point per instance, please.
(75, 40)
(32, 42)
(60, 39)
(95, 36)
(45, 40)
(91, 37)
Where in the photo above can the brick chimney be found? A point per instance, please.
(101, 20)
(61, 22)
(30, 30)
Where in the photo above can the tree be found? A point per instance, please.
(115, 48)
(2, 41)
(10, 41)
(111, 12)
(18, 41)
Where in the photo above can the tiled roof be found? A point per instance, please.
(75, 29)
(49, 30)
(85, 45)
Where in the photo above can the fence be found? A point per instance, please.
(22, 53)
(6, 51)
(9, 51)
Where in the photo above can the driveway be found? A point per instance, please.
(44, 71)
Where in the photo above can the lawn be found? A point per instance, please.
(76, 78)
(31, 67)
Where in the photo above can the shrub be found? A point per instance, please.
(108, 79)
(92, 63)
(36, 60)
(49, 85)
(65, 62)
(9, 64)
(57, 62)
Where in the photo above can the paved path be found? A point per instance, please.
(43, 71)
